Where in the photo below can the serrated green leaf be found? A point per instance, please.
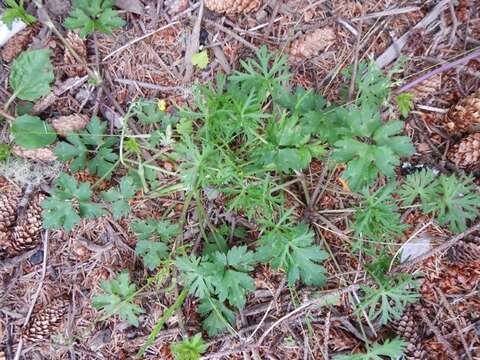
(59, 210)
(405, 103)
(30, 132)
(89, 16)
(293, 251)
(119, 198)
(190, 348)
(391, 348)
(31, 74)
(16, 12)
(152, 252)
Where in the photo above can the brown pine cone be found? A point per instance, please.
(466, 154)
(230, 7)
(40, 154)
(464, 253)
(46, 322)
(407, 329)
(17, 44)
(311, 44)
(8, 209)
(26, 234)
(463, 115)
(65, 125)
(73, 67)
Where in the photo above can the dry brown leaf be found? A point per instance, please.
(64, 125)
(311, 44)
(42, 154)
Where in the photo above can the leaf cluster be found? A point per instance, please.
(387, 301)
(153, 237)
(68, 203)
(451, 200)
(117, 298)
(16, 11)
(89, 16)
(391, 348)
(216, 278)
(79, 149)
(190, 348)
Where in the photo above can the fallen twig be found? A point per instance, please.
(445, 67)
(392, 51)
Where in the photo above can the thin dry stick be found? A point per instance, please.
(318, 301)
(445, 246)
(274, 300)
(441, 69)
(438, 335)
(455, 322)
(134, 41)
(392, 52)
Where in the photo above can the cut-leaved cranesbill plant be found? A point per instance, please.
(376, 217)
(69, 202)
(451, 200)
(93, 149)
(153, 240)
(16, 11)
(388, 299)
(117, 298)
(190, 348)
(89, 16)
(392, 349)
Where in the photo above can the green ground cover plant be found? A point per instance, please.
(246, 138)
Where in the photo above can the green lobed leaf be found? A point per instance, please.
(30, 132)
(31, 74)
(89, 16)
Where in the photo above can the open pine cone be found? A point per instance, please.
(45, 323)
(8, 209)
(464, 253)
(407, 329)
(311, 44)
(230, 7)
(463, 115)
(466, 154)
(26, 233)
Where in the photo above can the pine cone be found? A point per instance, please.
(8, 209)
(407, 329)
(17, 44)
(466, 154)
(26, 234)
(464, 253)
(73, 67)
(464, 115)
(40, 154)
(230, 7)
(311, 44)
(71, 123)
(46, 322)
